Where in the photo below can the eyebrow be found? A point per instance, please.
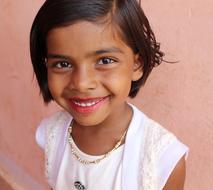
(57, 56)
(90, 54)
(106, 50)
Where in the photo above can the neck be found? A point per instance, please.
(99, 139)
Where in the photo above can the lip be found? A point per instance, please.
(88, 104)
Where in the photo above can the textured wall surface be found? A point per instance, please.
(179, 96)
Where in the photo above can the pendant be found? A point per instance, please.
(78, 185)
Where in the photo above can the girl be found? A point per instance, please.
(89, 56)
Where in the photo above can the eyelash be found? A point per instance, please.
(59, 65)
(66, 65)
(110, 61)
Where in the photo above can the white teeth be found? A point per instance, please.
(85, 104)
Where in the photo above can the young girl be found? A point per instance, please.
(89, 56)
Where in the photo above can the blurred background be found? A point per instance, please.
(179, 96)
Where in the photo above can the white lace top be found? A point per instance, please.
(144, 162)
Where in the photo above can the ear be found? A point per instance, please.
(137, 68)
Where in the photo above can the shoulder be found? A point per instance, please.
(48, 124)
(148, 123)
(163, 154)
(153, 132)
(168, 154)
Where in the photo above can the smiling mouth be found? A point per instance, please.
(87, 105)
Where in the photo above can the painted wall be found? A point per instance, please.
(179, 96)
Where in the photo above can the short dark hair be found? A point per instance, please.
(126, 14)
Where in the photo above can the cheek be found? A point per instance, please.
(56, 85)
(53, 87)
(119, 83)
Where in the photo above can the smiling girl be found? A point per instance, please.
(89, 56)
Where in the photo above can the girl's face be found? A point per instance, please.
(90, 70)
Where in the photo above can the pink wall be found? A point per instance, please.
(179, 96)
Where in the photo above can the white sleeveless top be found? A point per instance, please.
(154, 163)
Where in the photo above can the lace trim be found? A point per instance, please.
(155, 141)
(52, 139)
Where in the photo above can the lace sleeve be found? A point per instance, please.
(157, 139)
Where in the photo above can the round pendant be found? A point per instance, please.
(78, 185)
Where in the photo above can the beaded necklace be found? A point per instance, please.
(87, 162)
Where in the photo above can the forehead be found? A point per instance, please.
(84, 36)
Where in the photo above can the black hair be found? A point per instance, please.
(126, 14)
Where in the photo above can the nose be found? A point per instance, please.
(83, 79)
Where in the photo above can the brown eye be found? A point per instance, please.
(105, 61)
(62, 64)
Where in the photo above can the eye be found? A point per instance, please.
(105, 61)
(62, 64)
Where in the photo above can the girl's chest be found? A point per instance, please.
(105, 175)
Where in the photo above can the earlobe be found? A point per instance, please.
(137, 68)
(137, 74)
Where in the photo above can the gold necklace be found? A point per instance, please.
(86, 162)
